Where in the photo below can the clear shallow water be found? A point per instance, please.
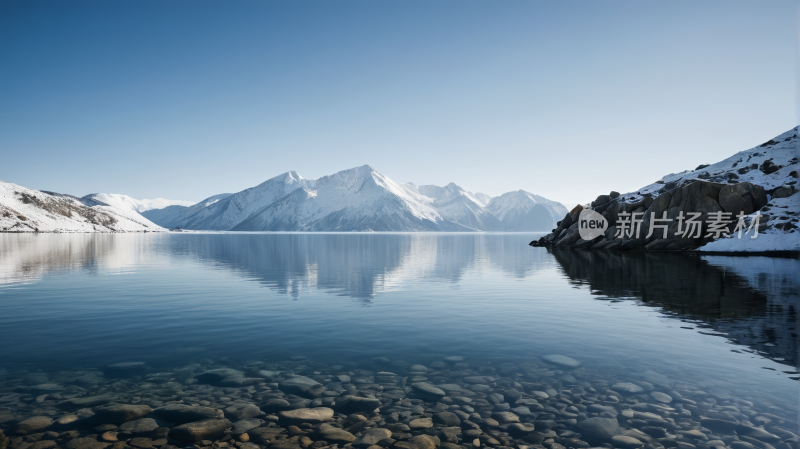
(81, 302)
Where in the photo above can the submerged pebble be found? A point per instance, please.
(555, 402)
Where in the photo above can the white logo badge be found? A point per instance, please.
(591, 224)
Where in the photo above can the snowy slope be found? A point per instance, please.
(781, 210)
(176, 216)
(227, 213)
(772, 165)
(482, 198)
(458, 205)
(743, 166)
(125, 202)
(753, 166)
(358, 199)
(28, 210)
(523, 211)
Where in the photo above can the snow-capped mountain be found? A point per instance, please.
(176, 216)
(458, 205)
(359, 199)
(125, 202)
(523, 211)
(228, 212)
(29, 210)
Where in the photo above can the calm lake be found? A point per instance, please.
(722, 330)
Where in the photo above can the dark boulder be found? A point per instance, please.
(742, 197)
(783, 192)
(602, 199)
(769, 167)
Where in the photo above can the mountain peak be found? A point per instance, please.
(365, 169)
(358, 198)
(290, 177)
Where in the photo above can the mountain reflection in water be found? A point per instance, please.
(717, 295)
(750, 301)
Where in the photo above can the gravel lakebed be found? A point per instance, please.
(551, 402)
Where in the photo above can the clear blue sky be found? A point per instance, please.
(186, 99)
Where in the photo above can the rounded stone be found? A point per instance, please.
(43, 444)
(426, 388)
(301, 386)
(627, 388)
(521, 429)
(247, 424)
(335, 435)
(143, 425)
(181, 413)
(562, 361)
(109, 436)
(67, 419)
(372, 436)
(420, 423)
(85, 443)
(421, 442)
(275, 405)
(505, 417)
(352, 404)
(208, 429)
(626, 442)
(600, 428)
(86, 401)
(33, 424)
(242, 411)
(661, 397)
(215, 376)
(308, 415)
(120, 413)
(448, 419)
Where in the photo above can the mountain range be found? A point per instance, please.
(360, 199)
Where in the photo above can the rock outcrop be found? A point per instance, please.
(760, 180)
(703, 197)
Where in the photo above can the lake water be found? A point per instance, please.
(719, 330)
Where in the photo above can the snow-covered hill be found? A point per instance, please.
(523, 211)
(125, 202)
(29, 210)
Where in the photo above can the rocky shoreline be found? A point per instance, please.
(549, 402)
(673, 202)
